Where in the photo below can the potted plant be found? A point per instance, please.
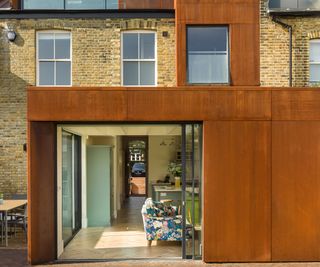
(1, 198)
(176, 170)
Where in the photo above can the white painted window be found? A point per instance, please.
(314, 61)
(54, 64)
(138, 54)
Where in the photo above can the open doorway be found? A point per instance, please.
(140, 192)
(136, 164)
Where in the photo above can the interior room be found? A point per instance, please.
(120, 192)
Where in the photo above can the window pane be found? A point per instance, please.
(85, 4)
(314, 51)
(63, 70)
(312, 4)
(147, 45)
(46, 73)
(315, 73)
(112, 4)
(283, 4)
(208, 68)
(147, 73)
(46, 44)
(130, 73)
(62, 45)
(208, 55)
(43, 4)
(207, 38)
(130, 46)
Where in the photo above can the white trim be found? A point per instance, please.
(313, 63)
(52, 60)
(60, 244)
(84, 218)
(155, 60)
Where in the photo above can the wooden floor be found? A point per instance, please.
(125, 239)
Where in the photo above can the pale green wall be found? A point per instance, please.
(98, 185)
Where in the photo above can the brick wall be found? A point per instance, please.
(274, 47)
(96, 62)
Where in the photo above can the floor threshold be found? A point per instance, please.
(74, 261)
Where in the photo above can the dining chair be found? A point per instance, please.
(19, 220)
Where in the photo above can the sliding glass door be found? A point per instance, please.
(71, 185)
(191, 188)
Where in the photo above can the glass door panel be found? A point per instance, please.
(67, 184)
(192, 166)
(71, 185)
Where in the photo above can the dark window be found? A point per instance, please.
(208, 60)
(70, 4)
(294, 5)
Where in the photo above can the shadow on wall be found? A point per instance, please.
(13, 121)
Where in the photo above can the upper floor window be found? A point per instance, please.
(43, 4)
(208, 54)
(139, 58)
(54, 58)
(91, 4)
(70, 4)
(314, 61)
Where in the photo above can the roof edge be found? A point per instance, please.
(89, 14)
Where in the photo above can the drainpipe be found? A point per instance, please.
(289, 28)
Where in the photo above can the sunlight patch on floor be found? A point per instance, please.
(122, 239)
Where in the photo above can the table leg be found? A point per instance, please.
(6, 226)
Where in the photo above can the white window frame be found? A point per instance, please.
(155, 60)
(53, 60)
(313, 62)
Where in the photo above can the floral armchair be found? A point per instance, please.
(161, 222)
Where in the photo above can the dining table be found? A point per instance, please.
(5, 208)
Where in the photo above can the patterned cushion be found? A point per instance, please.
(161, 222)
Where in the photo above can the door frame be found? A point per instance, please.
(184, 187)
(126, 140)
(59, 219)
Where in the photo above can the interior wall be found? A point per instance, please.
(160, 156)
(109, 141)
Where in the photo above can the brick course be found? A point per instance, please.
(96, 61)
(274, 48)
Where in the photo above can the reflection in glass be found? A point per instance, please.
(54, 55)
(46, 73)
(46, 46)
(193, 176)
(147, 46)
(315, 73)
(70, 4)
(62, 45)
(147, 74)
(63, 76)
(130, 46)
(67, 184)
(85, 4)
(130, 73)
(292, 5)
(43, 4)
(139, 66)
(208, 55)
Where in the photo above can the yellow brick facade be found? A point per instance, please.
(96, 61)
(274, 48)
